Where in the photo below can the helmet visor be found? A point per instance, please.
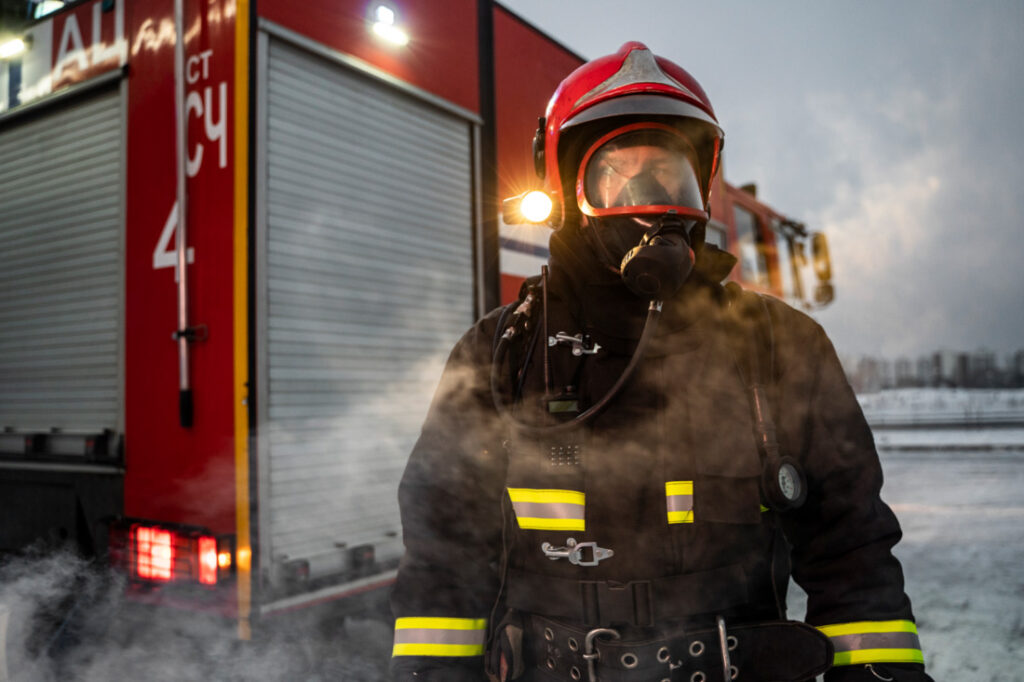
(644, 170)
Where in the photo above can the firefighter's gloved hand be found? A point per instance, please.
(878, 672)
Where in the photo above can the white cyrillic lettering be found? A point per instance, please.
(118, 49)
(191, 76)
(218, 130)
(193, 102)
(71, 34)
(205, 56)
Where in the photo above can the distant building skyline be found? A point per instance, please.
(980, 368)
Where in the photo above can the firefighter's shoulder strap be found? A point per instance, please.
(516, 320)
(753, 341)
(530, 285)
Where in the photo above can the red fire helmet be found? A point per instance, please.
(631, 85)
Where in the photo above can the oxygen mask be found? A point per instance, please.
(638, 188)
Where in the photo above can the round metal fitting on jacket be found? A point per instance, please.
(871, 669)
(698, 677)
(629, 660)
(575, 673)
(550, 663)
(734, 672)
(549, 634)
(573, 644)
(732, 643)
(696, 648)
(664, 655)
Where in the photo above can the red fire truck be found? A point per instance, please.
(240, 238)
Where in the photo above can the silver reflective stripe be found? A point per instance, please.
(550, 510)
(883, 640)
(422, 636)
(886, 641)
(678, 503)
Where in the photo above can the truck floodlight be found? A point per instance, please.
(44, 8)
(533, 206)
(385, 15)
(224, 560)
(536, 206)
(385, 25)
(13, 47)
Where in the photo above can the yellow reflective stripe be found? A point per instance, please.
(679, 488)
(546, 496)
(438, 650)
(546, 509)
(439, 636)
(679, 500)
(680, 517)
(868, 626)
(847, 637)
(878, 656)
(532, 523)
(441, 623)
(764, 509)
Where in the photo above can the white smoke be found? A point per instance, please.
(69, 620)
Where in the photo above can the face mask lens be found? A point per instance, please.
(642, 168)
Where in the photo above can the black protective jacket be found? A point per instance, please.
(667, 477)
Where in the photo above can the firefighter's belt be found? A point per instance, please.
(774, 651)
(640, 602)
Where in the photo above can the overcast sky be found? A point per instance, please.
(896, 127)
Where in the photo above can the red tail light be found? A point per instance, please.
(155, 552)
(208, 560)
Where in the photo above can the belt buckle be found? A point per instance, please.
(590, 655)
(729, 672)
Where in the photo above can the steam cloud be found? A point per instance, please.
(69, 620)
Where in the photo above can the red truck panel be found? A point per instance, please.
(441, 56)
(172, 473)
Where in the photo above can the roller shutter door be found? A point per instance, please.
(60, 286)
(368, 248)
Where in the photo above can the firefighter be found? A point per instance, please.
(619, 472)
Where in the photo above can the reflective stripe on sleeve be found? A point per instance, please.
(439, 636)
(679, 501)
(538, 509)
(884, 641)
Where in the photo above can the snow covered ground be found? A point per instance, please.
(933, 406)
(963, 552)
(963, 556)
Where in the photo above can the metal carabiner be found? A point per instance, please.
(591, 656)
(573, 551)
(581, 344)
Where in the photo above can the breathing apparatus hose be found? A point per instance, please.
(533, 430)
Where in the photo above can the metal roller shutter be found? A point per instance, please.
(368, 283)
(60, 287)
